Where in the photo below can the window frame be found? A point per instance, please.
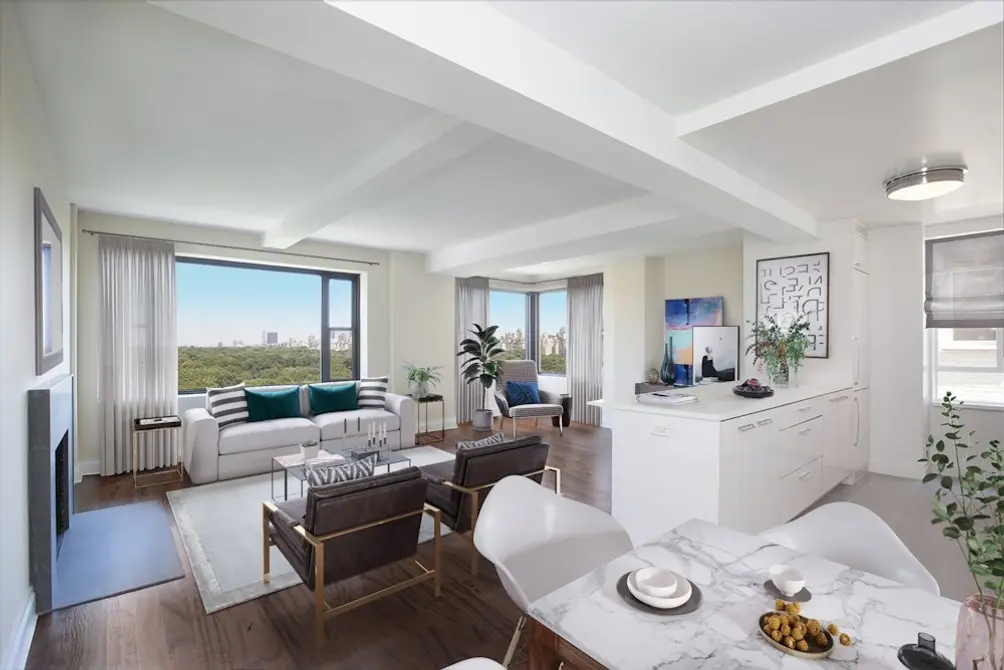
(541, 356)
(324, 373)
(932, 343)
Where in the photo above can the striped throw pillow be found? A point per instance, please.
(464, 445)
(319, 474)
(228, 405)
(373, 392)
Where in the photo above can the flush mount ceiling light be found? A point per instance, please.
(925, 183)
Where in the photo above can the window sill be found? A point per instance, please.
(985, 407)
(558, 375)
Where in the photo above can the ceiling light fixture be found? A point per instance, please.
(925, 183)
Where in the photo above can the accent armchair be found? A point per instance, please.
(342, 530)
(457, 489)
(524, 371)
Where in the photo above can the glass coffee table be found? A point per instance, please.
(294, 465)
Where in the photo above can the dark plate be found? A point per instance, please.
(752, 394)
(802, 596)
(686, 608)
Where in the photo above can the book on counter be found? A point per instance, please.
(665, 398)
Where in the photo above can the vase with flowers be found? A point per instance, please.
(779, 349)
(969, 507)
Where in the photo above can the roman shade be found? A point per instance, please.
(965, 281)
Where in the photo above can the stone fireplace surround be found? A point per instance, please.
(50, 481)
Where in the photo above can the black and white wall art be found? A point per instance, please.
(793, 285)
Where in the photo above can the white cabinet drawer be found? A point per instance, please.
(799, 489)
(798, 445)
(799, 412)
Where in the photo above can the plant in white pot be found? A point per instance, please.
(969, 506)
(778, 348)
(481, 366)
(421, 380)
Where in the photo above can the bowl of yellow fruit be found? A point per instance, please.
(787, 630)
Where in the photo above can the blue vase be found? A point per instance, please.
(667, 373)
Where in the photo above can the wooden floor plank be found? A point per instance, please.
(165, 626)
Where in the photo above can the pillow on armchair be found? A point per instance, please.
(522, 393)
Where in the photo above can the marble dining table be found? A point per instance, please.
(587, 624)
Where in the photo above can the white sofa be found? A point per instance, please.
(248, 448)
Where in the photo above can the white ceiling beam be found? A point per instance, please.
(925, 35)
(471, 62)
(428, 144)
(635, 223)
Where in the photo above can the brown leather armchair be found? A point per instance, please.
(456, 489)
(342, 530)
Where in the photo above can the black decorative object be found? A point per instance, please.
(923, 655)
(739, 390)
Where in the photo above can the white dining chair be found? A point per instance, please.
(475, 664)
(856, 537)
(540, 541)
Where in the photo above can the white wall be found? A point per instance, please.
(626, 308)
(422, 328)
(899, 418)
(709, 273)
(375, 338)
(28, 159)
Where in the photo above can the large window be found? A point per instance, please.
(264, 325)
(553, 322)
(969, 362)
(532, 325)
(507, 310)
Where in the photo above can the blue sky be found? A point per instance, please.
(223, 304)
(508, 311)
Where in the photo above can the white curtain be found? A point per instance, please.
(965, 281)
(585, 346)
(472, 307)
(139, 351)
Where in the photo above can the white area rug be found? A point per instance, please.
(220, 526)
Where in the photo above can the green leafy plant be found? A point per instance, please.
(781, 350)
(483, 352)
(969, 506)
(427, 375)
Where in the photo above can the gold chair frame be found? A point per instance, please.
(323, 610)
(472, 492)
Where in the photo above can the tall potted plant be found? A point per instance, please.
(422, 380)
(481, 366)
(781, 350)
(969, 507)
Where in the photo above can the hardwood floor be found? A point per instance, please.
(166, 627)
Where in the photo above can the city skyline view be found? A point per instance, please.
(221, 304)
(508, 311)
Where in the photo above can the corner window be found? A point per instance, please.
(507, 310)
(532, 325)
(264, 325)
(553, 332)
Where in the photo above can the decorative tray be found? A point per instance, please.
(738, 390)
(815, 650)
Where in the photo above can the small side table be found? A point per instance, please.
(566, 411)
(145, 426)
(427, 437)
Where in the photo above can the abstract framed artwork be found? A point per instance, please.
(48, 287)
(792, 285)
(716, 354)
(682, 314)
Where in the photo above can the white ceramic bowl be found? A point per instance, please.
(788, 580)
(656, 582)
(679, 597)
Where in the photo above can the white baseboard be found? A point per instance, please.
(87, 468)
(450, 424)
(19, 644)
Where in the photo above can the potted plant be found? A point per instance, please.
(422, 380)
(481, 366)
(969, 506)
(781, 350)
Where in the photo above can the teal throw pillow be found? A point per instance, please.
(522, 393)
(266, 405)
(340, 398)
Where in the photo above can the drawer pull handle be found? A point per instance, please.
(805, 409)
(838, 398)
(764, 422)
(748, 426)
(805, 431)
(805, 475)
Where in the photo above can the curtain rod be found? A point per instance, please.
(234, 248)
